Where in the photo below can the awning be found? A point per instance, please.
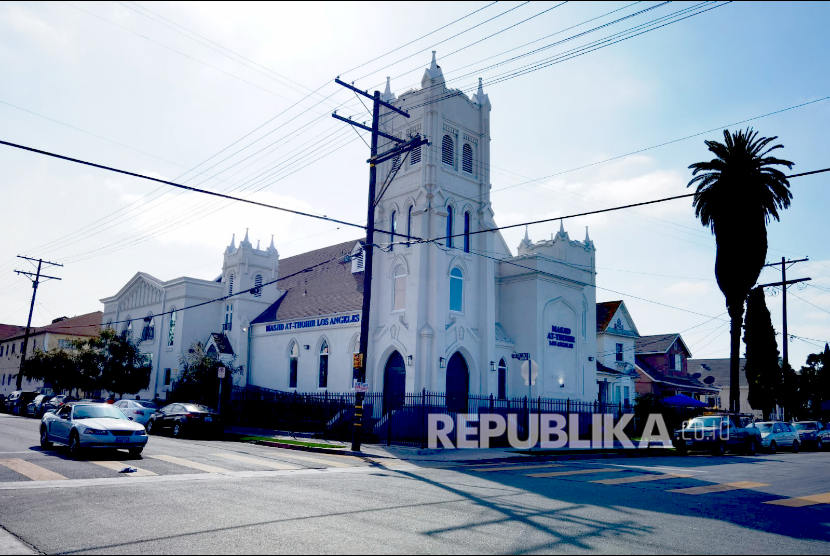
(681, 400)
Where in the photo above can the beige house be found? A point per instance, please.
(57, 335)
(715, 372)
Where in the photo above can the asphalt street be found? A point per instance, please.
(199, 496)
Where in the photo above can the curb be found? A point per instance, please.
(332, 451)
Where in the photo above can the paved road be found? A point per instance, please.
(192, 496)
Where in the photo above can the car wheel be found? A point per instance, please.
(74, 446)
(772, 447)
(796, 446)
(753, 447)
(136, 452)
(149, 426)
(177, 430)
(44, 439)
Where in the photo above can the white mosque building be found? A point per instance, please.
(446, 316)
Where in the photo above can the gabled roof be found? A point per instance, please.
(323, 290)
(654, 375)
(605, 314)
(10, 330)
(718, 369)
(608, 370)
(88, 324)
(659, 343)
(223, 346)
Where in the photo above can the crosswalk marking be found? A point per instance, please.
(801, 501)
(273, 464)
(192, 464)
(724, 487)
(518, 467)
(575, 472)
(119, 465)
(30, 470)
(642, 478)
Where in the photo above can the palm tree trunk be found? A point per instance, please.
(736, 313)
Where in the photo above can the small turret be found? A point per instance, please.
(387, 95)
(433, 76)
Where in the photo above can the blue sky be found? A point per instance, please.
(147, 87)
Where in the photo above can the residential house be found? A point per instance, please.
(662, 367)
(616, 338)
(715, 372)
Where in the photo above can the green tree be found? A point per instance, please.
(736, 194)
(763, 373)
(57, 369)
(814, 383)
(198, 377)
(113, 363)
(789, 396)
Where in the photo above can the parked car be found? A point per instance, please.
(18, 400)
(56, 402)
(809, 432)
(35, 407)
(3, 403)
(139, 411)
(824, 435)
(185, 418)
(717, 434)
(91, 425)
(778, 434)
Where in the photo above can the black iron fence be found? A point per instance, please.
(402, 420)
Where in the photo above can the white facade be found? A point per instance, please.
(616, 339)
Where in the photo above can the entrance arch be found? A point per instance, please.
(458, 383)
(394, 383)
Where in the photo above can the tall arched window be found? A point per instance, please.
(409, 226)
(399, 292)
(230, 284)
(456, 289)
(148, 332)
(258, 285)
(447, 151)
(466, 232)
(228, 318)
(128, 330)
(393, 222)
(502, 380)
(171, 328)
(323, 377)
(467, 158)
(449, 226)
(293, 360)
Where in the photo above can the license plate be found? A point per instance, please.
(208, 419)
(122, 439)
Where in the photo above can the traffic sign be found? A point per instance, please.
(524, 356)
(535, 370)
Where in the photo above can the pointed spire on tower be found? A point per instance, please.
(245, 242)
(527, 237)
(257, 245)
(387, 95)
(480, 98)
(561, 227)
(562, 233)
(272, 243)
(233, 241)
(434, 65)
(433, 75)
(587, 237)
(525, 245)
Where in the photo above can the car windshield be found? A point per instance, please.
(148, 404)
(196, 407)
(764, 427)
(98, 412)
(805, 426)
(701, 422)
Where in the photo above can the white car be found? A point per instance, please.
(91, 425)
(139, 411)
(778, 434)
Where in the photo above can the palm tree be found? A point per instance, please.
(736, 194)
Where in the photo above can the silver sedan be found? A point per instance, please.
(92, 425)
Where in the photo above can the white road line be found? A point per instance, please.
(273, 464)
(191, 464)
(30, 470)
(119, 465)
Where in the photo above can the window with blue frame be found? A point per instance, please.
(456, 289)
(449, 226)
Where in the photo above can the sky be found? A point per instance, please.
(237, 97)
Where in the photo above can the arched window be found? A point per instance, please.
(456, 289)
(228, 318)
(449, 226)
(171, 329)
(323, 377)
(467, 158)
(258, 285)
(230, 284)
(128, 330)
(393, 222)
(399, 292)
(293, 360)
(148, 333)
(447, 151)
(409, 226)
(502, 380)
(466, 232)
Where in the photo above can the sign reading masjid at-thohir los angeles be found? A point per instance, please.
(560, 336)
(313, 323)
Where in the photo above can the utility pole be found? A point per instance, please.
(35, 277)
(783, 284)
(402, 146)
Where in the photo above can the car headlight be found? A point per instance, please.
(94, 431)
(142, 432)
